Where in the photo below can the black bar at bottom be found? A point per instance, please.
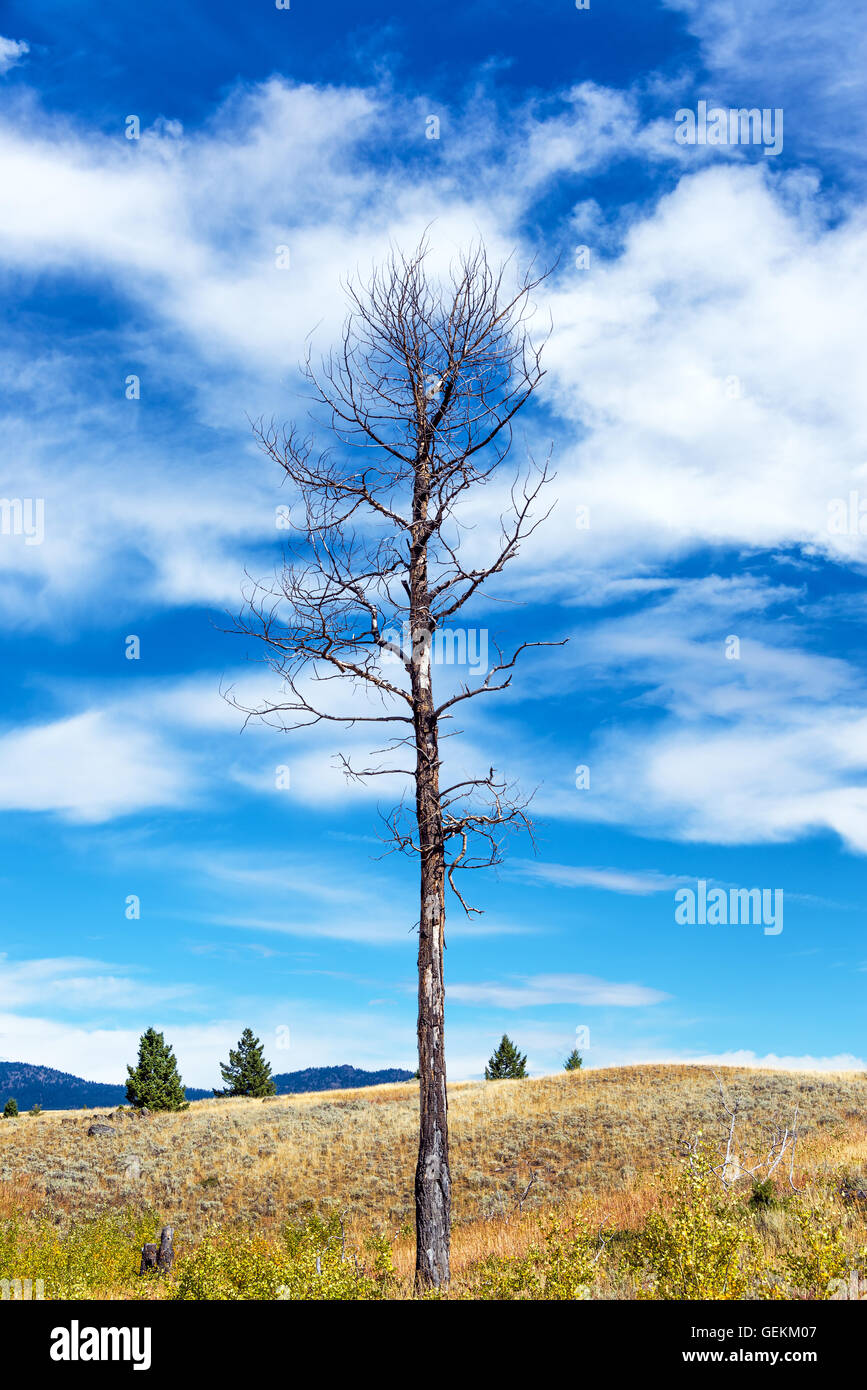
(158, 1338)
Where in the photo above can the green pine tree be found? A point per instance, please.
(574, 1062)
(247, 1073)
(155, 1083)
(506, 1062)
(10, 1110)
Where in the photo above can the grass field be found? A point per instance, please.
(592, 1143)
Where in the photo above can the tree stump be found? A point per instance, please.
(166, 1254)
(160, 1256)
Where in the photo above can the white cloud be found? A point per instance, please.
(350, 924)
(596, 127)
(89, 768)
(369, 924)
(576, 876)
(689, 365)
(742, 1057)
(736, 273)
(78, 984)
(102, 1054)
(190, 225)
(526, 991)
(807, 58)
(11, 52)
(131, 744)
(765, 748)
(179, 226)
(260, 873)
(318, 1035)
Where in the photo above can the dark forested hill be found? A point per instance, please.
(58, 1090)
(336, 1079)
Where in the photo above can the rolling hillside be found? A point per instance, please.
(599, 1146)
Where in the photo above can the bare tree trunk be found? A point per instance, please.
(425, 385)
(166, 1254)
(432, 1178)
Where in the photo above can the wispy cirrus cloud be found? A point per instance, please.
(527, 991)
(813, 68)
(760, 742)
(370, 925)
(576, 876)
(79, 984)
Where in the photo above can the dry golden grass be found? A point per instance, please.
(595, 1136)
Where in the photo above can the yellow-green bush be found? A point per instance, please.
(309, 1262)
(702, 1246)
(94, 1257)
(562, 1267)
(821, 1256)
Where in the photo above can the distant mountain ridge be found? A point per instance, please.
(336, 1079)
(58, 1090)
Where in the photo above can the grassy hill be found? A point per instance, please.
(595, 1141)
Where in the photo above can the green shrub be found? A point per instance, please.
(700, 1248)
(763, 1193)
(562, 1268)
(10, 1110)
(95, 1256)
(309, 1262)
(820, 1257)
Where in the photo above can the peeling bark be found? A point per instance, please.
(432, 1178)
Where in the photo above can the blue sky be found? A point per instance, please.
(703, 404)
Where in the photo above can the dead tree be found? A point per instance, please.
(418, 403)
(760, 1166)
